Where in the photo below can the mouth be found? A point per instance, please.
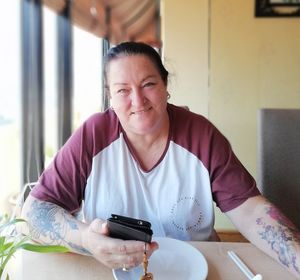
(140, 112)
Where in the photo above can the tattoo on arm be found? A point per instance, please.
(43, 222)
(281, 237)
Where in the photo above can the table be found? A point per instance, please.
(50, 266)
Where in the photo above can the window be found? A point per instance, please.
(50, 83)
(10, 109)
(87, 92)
(87, 81)
(87, 87)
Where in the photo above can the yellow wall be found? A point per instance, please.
(185, 47)
(227, 64)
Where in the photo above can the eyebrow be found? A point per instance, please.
(119, 84)
(124, 84)
(150, 76)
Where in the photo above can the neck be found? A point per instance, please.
(149, 139)
(149, 148)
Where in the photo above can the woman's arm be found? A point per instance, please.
(51, 224)
(266, 227)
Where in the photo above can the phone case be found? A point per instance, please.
(127, 228)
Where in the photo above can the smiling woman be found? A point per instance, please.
(150, 144)
(137, 96)
(171, 165)
(142, 109)
(136, 83)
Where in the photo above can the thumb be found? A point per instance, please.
(99, 226)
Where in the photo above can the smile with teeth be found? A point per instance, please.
(141, 111)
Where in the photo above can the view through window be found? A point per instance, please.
(87, 90)
(10, 105)
(87, 83)
(50, 83)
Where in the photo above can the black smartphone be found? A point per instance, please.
(128, 228)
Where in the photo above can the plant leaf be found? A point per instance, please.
(6, 257)
(10, 243)
(44, 248)
(6, 246)
(2, 240)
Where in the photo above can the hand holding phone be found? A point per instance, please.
(127, 228)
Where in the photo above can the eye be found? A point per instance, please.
(123, 91)
(149, 84)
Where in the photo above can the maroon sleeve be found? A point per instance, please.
(231, 183)
(64, 181)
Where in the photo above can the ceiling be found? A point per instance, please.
(115, 20)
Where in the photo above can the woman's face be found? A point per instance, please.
(138, 94)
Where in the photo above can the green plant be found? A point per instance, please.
(11, 241)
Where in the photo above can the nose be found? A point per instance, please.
(137, 98)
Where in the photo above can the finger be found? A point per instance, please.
(123, 247)
(134, 259)
(104, 229)
(96, 225)
(132, 247)
(153, 246)
(129, 261)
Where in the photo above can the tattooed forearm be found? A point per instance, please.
(51, 223)
(79, 249)
(281, 236)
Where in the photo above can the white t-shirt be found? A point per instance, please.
(197, 167)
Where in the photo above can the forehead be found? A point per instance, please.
(131, 64)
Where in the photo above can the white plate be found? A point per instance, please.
(175, 259)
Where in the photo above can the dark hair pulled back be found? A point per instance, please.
(135, 48)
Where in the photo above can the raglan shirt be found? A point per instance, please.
(96, 171)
